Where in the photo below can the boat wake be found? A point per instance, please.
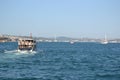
(20, 52)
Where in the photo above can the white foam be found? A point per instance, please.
(20, 52)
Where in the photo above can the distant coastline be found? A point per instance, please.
(13, 38)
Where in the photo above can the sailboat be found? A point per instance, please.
(71, 42)
(105, 41)
(55, 39)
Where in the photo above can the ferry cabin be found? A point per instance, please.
(26, 45)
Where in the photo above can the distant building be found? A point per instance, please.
(4, 39)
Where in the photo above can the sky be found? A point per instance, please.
(71, 18)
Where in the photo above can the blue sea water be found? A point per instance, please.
(61, 61)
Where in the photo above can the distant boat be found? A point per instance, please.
(55, 39)
(105, 41)
(26, 45)
(72, 42)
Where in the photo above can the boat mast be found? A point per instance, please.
(105, 37)
(30, 35)
(55, 39)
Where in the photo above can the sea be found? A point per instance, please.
(61, 61)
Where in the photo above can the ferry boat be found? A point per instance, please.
(26, 45)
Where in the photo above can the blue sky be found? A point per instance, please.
(72, 18)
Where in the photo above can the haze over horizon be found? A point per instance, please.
(71, 18)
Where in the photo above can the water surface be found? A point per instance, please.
(61, 61)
